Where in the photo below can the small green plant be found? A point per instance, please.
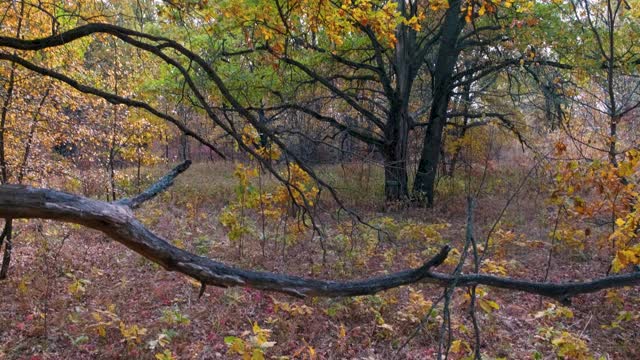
(165, 355)
(250, 345)
(78, 286)
(175, 317)
(566, 344)
(132, 334)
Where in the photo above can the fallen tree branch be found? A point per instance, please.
(562, 292)
(161, 185)
(118, 222)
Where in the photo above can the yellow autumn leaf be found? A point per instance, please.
(624, 258)
(458, 346)
(488, 306)
(312, 352)
(257, 355)
(455, 346)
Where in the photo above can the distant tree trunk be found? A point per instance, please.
(114, 133)
(347, 146)
(184, 148)
(5, 236)
(3, 123)
(112, 155)
(613, 133)
(614, 117)
(395, 176)
(138, 166)
(262, 118)
(458, 148)
(166, 146)
(396, 134)
(448, 52)
(460, 133)
(395, 155)
(32, 133)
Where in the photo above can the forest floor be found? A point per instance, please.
(75, 294)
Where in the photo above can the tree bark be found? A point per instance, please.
(396, 134)
(6, 237)
(424, 186)
(395, 160)
(7, 232)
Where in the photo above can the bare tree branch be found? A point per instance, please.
(562, 292)
(112, 98)
(161, 185)
(118, 222)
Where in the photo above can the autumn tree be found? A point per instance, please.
(376, 97)
(606, 81)
(353, 67)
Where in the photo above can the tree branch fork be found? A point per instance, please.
(117, 221)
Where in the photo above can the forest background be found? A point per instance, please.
(256, 147)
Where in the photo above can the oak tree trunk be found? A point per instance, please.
(424, 186)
